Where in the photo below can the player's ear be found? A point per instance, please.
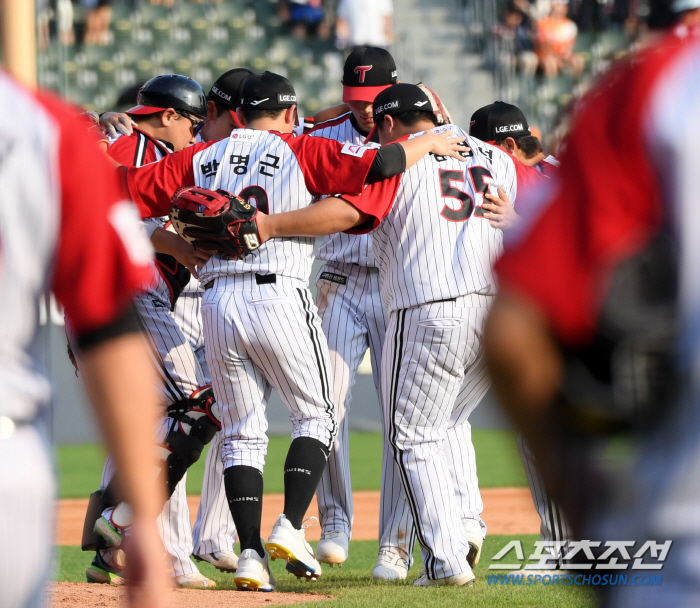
(389, 124)
(290, 115)
(167, 117)
(239, 115)
(509, 144)
(212, 112)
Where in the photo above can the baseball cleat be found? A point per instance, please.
(390, 567)
(104, 528)
(224, 561)
(253, 573)
(104, 571)
(332, 548)
(288, 543)
(194, 580)
(456, 580)
(475, 536)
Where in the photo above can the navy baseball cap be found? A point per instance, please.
(401, 98)
(498, 121)
(267, 91)
(368, 71)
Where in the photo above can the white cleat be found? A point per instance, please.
(224, 561)
(194, 580)
(253, 573)
(475, 536)
(107, 529)
(288, 543)
(390, 567)
(332, 548)
(457, 580)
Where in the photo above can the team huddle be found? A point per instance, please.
(412, 211)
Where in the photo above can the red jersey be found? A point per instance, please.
(62, 227)
(137, 149)
(609, 201)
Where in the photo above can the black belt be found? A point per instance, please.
(445, 300)
(260, 279)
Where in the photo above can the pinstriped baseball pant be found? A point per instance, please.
(261, 337)
(553, 524)
(354, 320)
(214, 529)
(432, 378)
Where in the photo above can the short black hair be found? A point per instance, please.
(250, 115)
(411, 117)
(220, 104)
(528, 144)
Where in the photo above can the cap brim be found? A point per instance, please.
(362, 93)
(144, 110)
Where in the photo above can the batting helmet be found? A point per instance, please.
(171, 91)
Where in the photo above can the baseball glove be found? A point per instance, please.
(175, 275)
(215, 221)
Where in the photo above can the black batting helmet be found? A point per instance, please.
(171, 91)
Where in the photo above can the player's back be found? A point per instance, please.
(435, 243)
(259, 166)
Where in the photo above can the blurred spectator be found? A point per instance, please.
(364, 22)
(556, 36)
(99, 14)
(518, 48)
(305, 17)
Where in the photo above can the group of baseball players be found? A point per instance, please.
(412, 211)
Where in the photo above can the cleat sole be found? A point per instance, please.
(294, 565)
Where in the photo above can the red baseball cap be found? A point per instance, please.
(368, 71)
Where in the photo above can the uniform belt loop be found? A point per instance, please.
(265, 279)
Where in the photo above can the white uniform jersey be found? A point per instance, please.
(342, 247)
(437, 208)
(263, 163)
(275, 172)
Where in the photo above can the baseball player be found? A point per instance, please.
(593, 288)
(170, 109)
(53, 177)
(505, 126)
(432, 369)
(353, 319)
(261, 327)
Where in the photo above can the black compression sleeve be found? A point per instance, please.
(128, 323)
(389, 161)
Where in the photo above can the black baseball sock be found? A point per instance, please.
(303, 468)
(244, 491)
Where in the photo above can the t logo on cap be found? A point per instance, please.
(362, 70)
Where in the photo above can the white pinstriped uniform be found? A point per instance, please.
(182, 374)
(354, 319)
(259, 335)
(214, 529)
(437, 285)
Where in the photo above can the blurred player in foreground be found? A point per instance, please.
(594, 342)
(53, 178)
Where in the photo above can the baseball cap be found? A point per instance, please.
(368, 71)
(170, 91)
(267, 91)
(401, 98)
(498, 121)
(228, 88)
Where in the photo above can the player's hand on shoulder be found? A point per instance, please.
(447, 143)
(500, 212)
(115, 123)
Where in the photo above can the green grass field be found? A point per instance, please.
(498, 464)
(353, 587)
